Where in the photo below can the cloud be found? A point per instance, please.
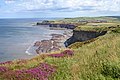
(108, 5)
(63, 5)
(9, 1)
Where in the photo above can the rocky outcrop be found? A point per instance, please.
(68, 26)
(80, 36)
(59, 25)
(54, 44)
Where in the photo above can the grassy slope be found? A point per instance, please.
(88, 61)
(109, 19)
(98, 60)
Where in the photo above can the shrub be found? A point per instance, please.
(41, 72)
(62, 54)
(111, 70)
(3, 69)
(67, 52)
(7, 62)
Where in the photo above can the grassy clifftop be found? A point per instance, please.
(96, 59)
(103, 18)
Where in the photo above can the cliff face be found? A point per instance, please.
(80, 36)
(59, 25)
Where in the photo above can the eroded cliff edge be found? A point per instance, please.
(81, 35)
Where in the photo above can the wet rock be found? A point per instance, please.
(55, 49)
(54, 44)
(37, 43)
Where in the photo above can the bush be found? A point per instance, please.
(62, 54)
(111, 70)
(41, 72)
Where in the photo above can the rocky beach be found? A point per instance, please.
(57, 40)
(55, 43)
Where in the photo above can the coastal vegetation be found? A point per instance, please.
(94, 59)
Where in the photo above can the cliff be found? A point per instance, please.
(80, 36)
(57, 25)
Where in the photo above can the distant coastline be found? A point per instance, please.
(56, 42)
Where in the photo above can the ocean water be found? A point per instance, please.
(16, 35)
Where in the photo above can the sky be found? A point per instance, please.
(58, 8)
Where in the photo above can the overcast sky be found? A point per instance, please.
(58, 8)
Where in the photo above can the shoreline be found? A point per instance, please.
(55, 43)
(16, 50)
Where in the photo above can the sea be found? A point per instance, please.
(16, 35)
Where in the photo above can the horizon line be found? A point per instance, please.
(52, 17)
